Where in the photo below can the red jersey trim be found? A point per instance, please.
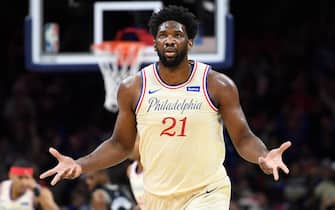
(143, 89)
(204, 85)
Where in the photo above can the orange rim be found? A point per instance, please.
(121, 49)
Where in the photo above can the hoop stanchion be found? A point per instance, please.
(117, 60)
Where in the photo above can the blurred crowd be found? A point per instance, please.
(284, 67)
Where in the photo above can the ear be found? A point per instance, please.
(155, 45)
(190, 44)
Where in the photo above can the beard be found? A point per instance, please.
(175, 61)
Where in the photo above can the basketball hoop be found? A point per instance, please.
(117, 60)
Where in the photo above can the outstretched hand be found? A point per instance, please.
(273, 161)
(67, 168)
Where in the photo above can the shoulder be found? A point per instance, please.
(4, 183)
(131, 82)
(4, 186)
(134, 81)
(129, 90)
(221, 79)
(220, 86)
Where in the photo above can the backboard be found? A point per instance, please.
(58, 34)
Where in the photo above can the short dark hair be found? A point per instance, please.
(176, 13)
(23, 163)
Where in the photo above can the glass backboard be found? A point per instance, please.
(59, 34)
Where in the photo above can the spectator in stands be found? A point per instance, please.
(108, 196)
(22, 192)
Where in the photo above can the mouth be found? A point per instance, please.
(170, 52)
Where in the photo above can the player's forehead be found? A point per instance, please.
(171, 25)
(21, 177)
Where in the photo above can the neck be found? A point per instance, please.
(182, 65)
(177, 74)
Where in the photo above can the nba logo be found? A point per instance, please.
(51, 37)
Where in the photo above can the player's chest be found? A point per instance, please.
(173, 101)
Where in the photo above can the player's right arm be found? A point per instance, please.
(113, 150)
(248, 145)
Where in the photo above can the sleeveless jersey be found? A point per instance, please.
(181, 133)
(24, 202)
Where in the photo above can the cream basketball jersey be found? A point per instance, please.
(181, 134)
(24, 202)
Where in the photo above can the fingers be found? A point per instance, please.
(66, 168)
(52, 171)
(267, 169)
(48, 173)
(284, 168)
(56, 179)
(285, 146)
(71, 173)
(275, 174)
(66, 174)
(55, 153)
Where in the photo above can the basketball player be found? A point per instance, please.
(176, 106)
(21, 192)
(105, 195)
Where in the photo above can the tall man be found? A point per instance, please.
(176, 107)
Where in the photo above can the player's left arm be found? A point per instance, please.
(45, 199)
(225, 94)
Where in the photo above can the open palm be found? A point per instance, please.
(273, 161)
(67, 168)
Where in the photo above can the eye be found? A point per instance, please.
(179, 35)
(160, 36)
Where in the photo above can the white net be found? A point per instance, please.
(117, 60)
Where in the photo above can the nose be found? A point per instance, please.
(170, 41)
